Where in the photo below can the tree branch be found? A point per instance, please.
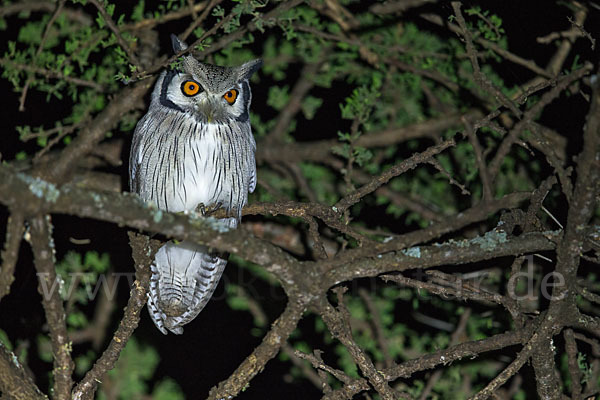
(269, 347)
(398, 169)
(14, 381)
(338, 323)
(319, 150)
(116, 31)
(10, 254)
(143, 255)
(43, 254)
(95, 131)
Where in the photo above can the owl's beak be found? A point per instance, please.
(209, 109)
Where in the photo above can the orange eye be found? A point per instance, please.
(190, 88)
(230, 96)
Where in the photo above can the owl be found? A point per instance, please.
(193, 151)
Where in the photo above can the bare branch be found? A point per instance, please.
(198, 21)
(269, 347)
(43, 253)
(396, 170)
(451, 224)
(321, 149)
(532, 113)
(298, 93)
(337, 322)
(575, 373)
(14, 234)
(143, 254)
(222, 42)
(480, 78)
(480, 160)
(14, 381)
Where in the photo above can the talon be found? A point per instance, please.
(214, 208)
(201, 208)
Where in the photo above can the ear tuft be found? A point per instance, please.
(178, 45)
(245, 71)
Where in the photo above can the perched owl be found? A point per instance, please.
(193, 150)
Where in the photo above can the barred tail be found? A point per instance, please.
(184, 277)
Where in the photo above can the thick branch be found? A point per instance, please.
(14, 381)
(584, 198)
(542, 359)
(487, 247)
(32, 195)
(451, 224)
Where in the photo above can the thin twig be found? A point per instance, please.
(454, 340)
(529, 64)
(59, 7)
(197, 21)
(143, 254)
(117, 32)
(377, 326)
(299, 91)
(317, 362)
(506, 374)
(572, 353)
(479, 160)
(314, 377)
(42, 246)
(221, 43)
(95, 131)
(262, 354)
(436, 164)
(530, 114)
(338, 324)
(52, 74)
(396, 170)
(149, 23)
(480, 78)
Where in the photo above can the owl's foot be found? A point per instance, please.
(206, 211)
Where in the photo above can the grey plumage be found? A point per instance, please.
(193, 149)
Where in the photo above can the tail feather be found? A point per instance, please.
(184, 277)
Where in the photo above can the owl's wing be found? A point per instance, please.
(133, 181)
(134, 160)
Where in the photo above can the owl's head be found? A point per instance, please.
(211, 93)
